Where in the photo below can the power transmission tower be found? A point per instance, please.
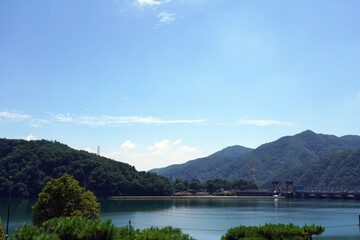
(252, 172)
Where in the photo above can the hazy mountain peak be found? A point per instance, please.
(307, 133)
(232, 151)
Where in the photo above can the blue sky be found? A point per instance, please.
(155, 83)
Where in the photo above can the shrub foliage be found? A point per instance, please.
(273, 232)
(75, 228)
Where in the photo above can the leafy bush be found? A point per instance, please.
(74, 228)
(273, 232)
(64, 197)
(166, 233)
(153, 233)
(126, 233)
(69, 228)
(30, 233)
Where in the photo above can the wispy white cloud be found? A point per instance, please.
(89, 150)
(160, 147)
(93, 121)
(38, 123)
(128, 145)
(148, 2)
(186, 149)
(164, 144)
(14, 115)
(63, 117)
(159, 9)
(20, 116)
(118, 120)
(264, 122)
(30, 137)
(165, 18)
(160, 154)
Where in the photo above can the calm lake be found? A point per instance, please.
(209, 219)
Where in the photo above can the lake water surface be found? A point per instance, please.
(209, 219)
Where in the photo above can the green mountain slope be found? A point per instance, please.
(273, 159)
(203, 168)
(33, 163)
(336, 170)
(281, 160)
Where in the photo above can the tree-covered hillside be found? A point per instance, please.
(336, 170)
(287, 153)
(33, 163)
(203, 168)
(287, 156)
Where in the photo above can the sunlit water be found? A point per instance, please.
(209, 219)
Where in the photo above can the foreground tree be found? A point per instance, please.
(64, 197)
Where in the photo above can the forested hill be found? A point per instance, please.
(340, 169)
(33, 163)
(291, 152)
(286, 156)
(203, 168)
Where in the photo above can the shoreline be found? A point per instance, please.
(188, 197)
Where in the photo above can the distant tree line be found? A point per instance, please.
(212, 186)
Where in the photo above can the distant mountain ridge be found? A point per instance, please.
(291, 152)
(271, 160)
(203, 168)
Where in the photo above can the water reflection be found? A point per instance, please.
(20, 208)
(276, 202)
(153, 205)
(209, 219)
